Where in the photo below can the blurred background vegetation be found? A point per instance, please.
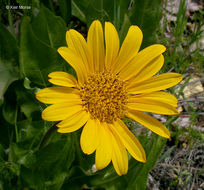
(34, 156)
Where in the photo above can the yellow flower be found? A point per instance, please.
(112, 83)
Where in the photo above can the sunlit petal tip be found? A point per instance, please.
(67, 32)
(129, 48)
(162, 47)
(177, 113)
(42, 115)
(96, 22)
(95, 25)
(129, 140)
(60, 49)
(89, 137)
(61, 78)
(109, 24)
(136, 29)
(144, 159)
(155, 83)
(104, 149)
(167, 135)
(37, 95)
(60, 111)
(112, 44)
(149, 122)
(95, 42)
(71, 31)
(180, 77)
(60, 131)
(73, 122)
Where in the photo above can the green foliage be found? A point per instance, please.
(40, 38)
(8, 59)
(103, 10)
(65, 8)
(180, 52)
(32, 154)
(146, 14)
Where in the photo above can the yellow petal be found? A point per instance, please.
(158, 96)
(129, 48)
(54, 95)
(150, 69)
(156, 83)
(73, 123)
(129, 141)
(149, 122)
(89, 136)
(60, 111)
(76, 62)
(119, 157)
(154, 106)
(77, 43)
(95, 42)
(112, 44)
(104, 150)
(145, 58)
(62, 79)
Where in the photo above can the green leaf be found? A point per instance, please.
(79, 7)
(31, 178)
(10, 103)
(27, 101)
(146, 14)
(8, 59)
(50, 163)
(48, 28)
(65, 9)
(120, 11)
(40, 38)
(6, 131)
(18, 100)
(9, 172)
(2, 152)
(37, 59)
(8, 48)
(30, 133)
(106, 10)
(103, 10)
(29, 5)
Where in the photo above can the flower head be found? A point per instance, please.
(112, 82)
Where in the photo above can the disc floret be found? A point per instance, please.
(104, 96)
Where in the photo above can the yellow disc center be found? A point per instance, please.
(104, 96)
